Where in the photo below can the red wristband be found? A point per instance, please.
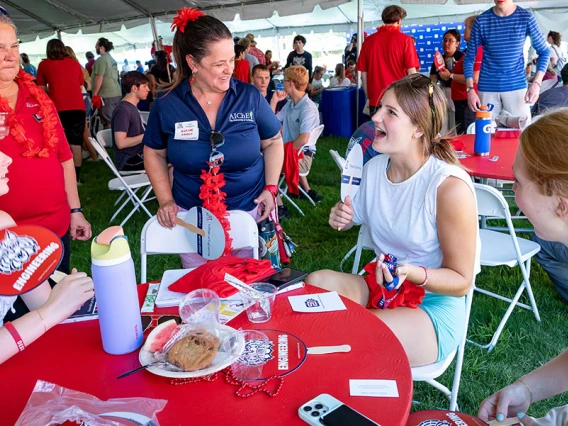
(273, 189)
(15, 335)
(425, 279)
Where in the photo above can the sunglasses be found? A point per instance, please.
(418, 81)
(151, 321)
(217, 140)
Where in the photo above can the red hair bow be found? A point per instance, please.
(184, 15)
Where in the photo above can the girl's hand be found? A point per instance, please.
(341, 214)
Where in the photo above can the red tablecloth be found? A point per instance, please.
(71, 355)
(504, 148)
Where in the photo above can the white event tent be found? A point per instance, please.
(133, 24)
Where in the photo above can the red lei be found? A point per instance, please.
(48, 114)
(214, 201)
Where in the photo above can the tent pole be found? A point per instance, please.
(360, 38)
(154, 31)
(59, 34)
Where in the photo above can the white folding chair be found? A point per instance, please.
(156, 239)
(499, 249)
(105, 138)
(471, 129)
(144, 116)
(128, 185)
(363, 243)
(283, 188)
(428, 373)
(339, 160)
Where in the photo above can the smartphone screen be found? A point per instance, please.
(285, 277)
(344, 415)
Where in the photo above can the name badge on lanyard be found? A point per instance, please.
(187, 131)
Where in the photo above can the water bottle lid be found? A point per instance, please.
(113, 252)
(484, 113)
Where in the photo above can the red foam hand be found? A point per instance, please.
(97, 102)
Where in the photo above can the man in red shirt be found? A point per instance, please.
(386, 56)
(90, 61)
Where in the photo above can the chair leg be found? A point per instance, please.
(120, 198)
(121, 207)
(284, 195)
(440, 387)
(307, 196)
(529, 288)
(349, 253)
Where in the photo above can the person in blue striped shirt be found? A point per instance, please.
(502, 31)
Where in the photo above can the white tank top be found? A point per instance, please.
(401, 217)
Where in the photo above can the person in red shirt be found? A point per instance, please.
(242, 67)
(464, 115)
(42, 177)
(386, 56)
(90, 61)
(62, 78)
(255, 51)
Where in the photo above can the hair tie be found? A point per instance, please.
(184, 15)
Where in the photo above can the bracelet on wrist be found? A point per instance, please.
(537, 83)
(15, 335)
(77, 210)
(273, 189)
(425, 279)
(41, 318)
(528, 388)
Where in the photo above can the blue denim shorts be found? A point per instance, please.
(447, 314)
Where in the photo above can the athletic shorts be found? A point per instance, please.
(73, 123)
(447, 314)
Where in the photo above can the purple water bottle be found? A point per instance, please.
(115, 290)
(482, 141)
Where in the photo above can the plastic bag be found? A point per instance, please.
(51, 404)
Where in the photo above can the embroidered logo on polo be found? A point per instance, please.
(312, 303)
(241, 116)
(15, 251)
(257, 352)
(30, 105)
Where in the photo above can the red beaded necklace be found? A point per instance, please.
(48, 115)
(245, 390)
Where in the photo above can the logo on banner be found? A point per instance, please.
(257, 352)
(15, 251)
(312, 303)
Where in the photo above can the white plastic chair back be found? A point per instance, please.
(314, 135)
(339, 160)
(548, 84)
(490, 202)
(105, 137)
(471, 129)
(156, 239)
(102, 152)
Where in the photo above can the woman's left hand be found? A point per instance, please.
(265, 203)
(80, 229)
(384, 276)
(444, 74)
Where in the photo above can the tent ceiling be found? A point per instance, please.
(263, 17)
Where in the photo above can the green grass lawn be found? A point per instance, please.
(524, 344)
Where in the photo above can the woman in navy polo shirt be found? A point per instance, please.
(203, 107)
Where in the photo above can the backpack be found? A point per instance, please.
(560, 62)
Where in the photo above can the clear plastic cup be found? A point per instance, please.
(256, 352)
(200, 308)
(259, 309)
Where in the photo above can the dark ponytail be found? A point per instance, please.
(195, 40)
(104, 42)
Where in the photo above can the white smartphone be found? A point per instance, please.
(324, 409)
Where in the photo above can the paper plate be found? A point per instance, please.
(442, 418)
(28, 256)
(212, 245)
(352, 172)
(221, 361)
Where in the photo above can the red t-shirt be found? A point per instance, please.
(458, 89)
(64, 78)
(37, 188)
(242, 71)
(385, 57)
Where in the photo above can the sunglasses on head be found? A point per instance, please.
(418, 81)
(151, 321)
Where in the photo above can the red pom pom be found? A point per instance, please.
(184, 15)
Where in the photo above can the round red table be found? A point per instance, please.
(71, 356)
(504, 148)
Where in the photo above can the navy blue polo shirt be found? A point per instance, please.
(179, 124)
